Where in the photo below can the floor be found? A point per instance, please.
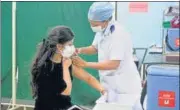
(27, 102)
(4, 107)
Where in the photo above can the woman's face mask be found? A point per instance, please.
(68, 51)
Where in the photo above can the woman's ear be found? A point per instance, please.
(59, 47)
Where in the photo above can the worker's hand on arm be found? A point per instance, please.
(86, 50)
(88, 78)
(79, 62)
(66, 76)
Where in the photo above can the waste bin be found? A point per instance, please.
(163, 87)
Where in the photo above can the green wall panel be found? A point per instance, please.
(34, 19)
(6, 49)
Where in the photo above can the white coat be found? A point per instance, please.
(124, 83)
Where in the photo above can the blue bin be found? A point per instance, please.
(173, 39)
(163, 88)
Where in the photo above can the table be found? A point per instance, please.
(153, 59)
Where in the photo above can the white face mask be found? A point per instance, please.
(97, 29)
(68, 51)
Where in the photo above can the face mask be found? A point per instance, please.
(68, 51)
(97, 29)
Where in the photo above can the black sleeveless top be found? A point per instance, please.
(50, 86)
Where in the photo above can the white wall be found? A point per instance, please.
(145, 28)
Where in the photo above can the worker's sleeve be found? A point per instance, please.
(95, 42)
(117, 48)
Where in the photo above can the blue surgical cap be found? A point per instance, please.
(100, 11)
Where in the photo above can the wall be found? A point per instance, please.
(6, 51)
(145, 28)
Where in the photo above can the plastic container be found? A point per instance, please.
(163, 88)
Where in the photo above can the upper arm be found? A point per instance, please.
(81, 74)
(93, 49)
(114, 63)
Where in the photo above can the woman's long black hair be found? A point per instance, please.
(58, 35)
